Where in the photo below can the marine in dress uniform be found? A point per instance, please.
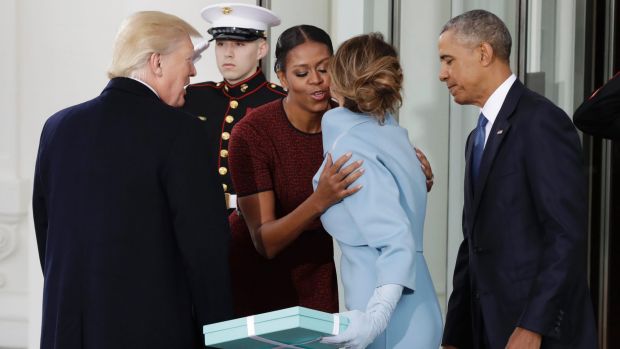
(220, 105)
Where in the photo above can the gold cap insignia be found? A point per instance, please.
(226, 10)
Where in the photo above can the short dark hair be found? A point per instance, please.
(477, 26)
(295, 36)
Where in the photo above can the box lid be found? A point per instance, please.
(277, 314)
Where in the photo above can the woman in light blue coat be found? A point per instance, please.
(387, 285)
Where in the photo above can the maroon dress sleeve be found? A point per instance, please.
(250, 161)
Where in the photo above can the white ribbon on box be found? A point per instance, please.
(279, 345)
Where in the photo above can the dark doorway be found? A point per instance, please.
(603, 160)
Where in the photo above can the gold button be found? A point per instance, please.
(218, 84)
(226, 88)
(229, 119)
(225, 136)
(234, 104)
(224, 186)
(273, 85)
(223, 170)
(202, 118)
(224, 153)
(244, 87)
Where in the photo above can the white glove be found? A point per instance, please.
(364, 327)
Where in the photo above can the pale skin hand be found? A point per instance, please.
(524, 339)
(520, 339)
(270, 234)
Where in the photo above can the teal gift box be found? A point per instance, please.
(295, 327)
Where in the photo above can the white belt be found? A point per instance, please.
(231, 200)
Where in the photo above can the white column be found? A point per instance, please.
(534, 31)
(565, 54)
(8, 91)
(317, 13)
(426, 114)
(14, 191)
(347, 20)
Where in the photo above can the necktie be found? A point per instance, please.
(478, 147)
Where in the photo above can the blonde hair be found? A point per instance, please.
(366, 72)
(142, 34)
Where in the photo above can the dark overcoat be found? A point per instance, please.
(131, 225)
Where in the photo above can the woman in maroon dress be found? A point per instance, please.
(286, 257)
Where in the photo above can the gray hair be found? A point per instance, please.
(477, 26)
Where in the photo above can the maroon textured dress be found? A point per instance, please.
(267, 153)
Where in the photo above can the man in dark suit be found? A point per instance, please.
(600, 114)
(129, 215)
(520, 276)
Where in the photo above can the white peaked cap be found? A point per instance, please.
(235, 15)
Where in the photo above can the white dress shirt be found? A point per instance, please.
(147, 85)
(494, 104)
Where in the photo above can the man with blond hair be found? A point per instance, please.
(130, 218)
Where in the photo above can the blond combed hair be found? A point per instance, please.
(142, 34)
(365, 71)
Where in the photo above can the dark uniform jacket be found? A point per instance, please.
(130, 224)
(221, 105)
(600, 114)
(523, 258)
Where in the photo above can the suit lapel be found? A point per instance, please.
(468, 186)
(498, 133)
(469, 192)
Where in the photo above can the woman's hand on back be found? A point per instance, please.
(335, 181)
